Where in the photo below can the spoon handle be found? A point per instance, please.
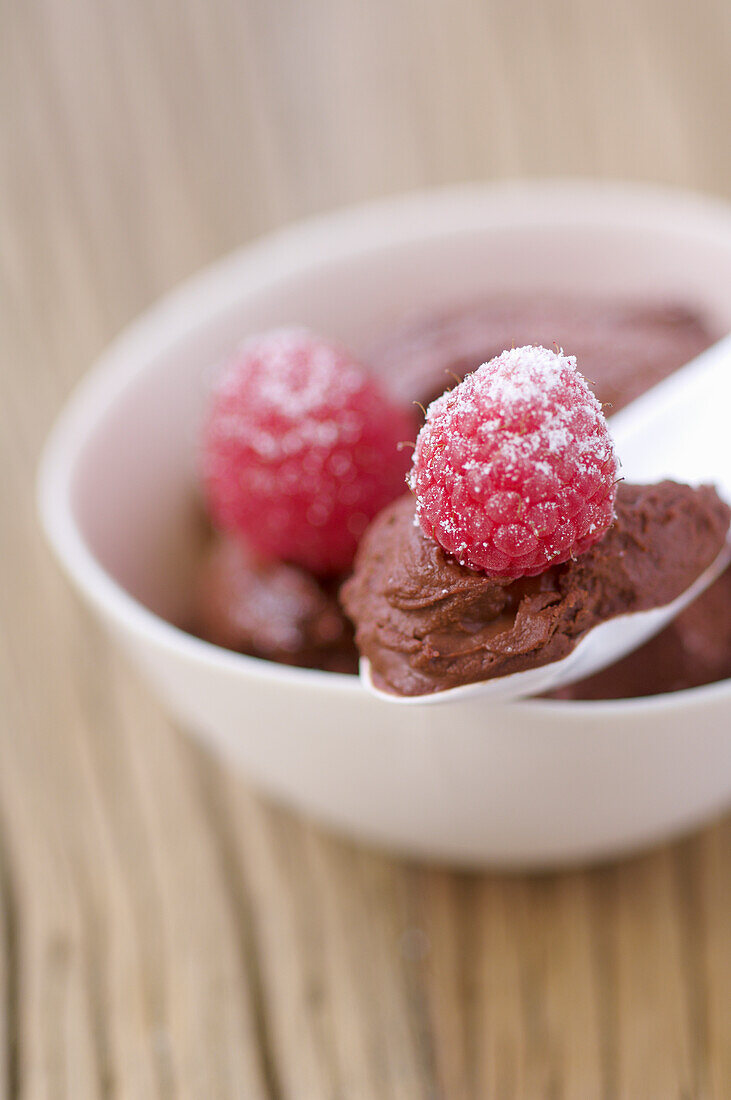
(681, 429)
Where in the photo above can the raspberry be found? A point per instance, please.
(514, 469)
(300, 450)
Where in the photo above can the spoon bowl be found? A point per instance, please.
(676, 430)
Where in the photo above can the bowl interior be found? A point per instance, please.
(132, 482)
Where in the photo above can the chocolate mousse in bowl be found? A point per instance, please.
(631, 281)
(661, 541)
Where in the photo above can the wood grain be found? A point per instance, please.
(163, 933)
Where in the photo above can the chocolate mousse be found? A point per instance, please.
(271, 610)
(623, 348)
(695, 649)
(427, 623)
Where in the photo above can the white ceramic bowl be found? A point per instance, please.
(535, 783)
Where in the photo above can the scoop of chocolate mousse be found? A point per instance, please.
(426, 623)
(271, 610)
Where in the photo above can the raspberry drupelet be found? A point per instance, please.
(514, 469)
(301, 450)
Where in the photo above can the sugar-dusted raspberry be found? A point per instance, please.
(514, 469)
(301, 450)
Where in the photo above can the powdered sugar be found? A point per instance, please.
(275, 361)
(521, 398)
(520, 435)
(301, 449)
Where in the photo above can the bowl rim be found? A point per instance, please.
(348, 231)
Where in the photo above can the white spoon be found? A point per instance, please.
(681, 430)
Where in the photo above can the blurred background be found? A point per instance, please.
(148, 136)
(163, 933)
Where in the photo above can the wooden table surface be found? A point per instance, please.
(164, 933)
